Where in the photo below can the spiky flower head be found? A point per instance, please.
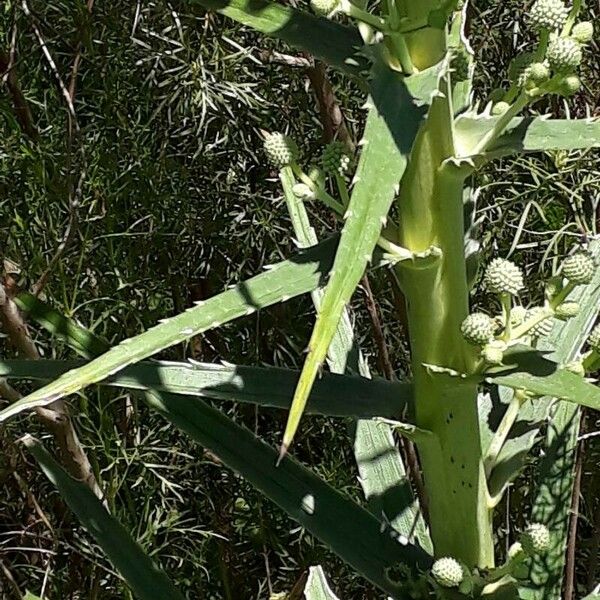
(535, 539)
(533, 75)
(583, 32)
(548, 15)
(579, 268)
(335, 158)
(503, 277)
(567, 310)
(517, 315)
(570, 85)
(280, 149)
(544, 327)
(324, 7)
(447, 572)
(304, 192)
(563, 54)
(500, 108)
(493, 353)
(594, 339)
(478, 328)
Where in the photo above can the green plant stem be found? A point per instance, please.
(362, 15)
(508, 420)
(501, 124)
(397, 45)
(342, 189)
(571, 18)
(437, 299)
(522, 329)
(562, 295)
(506, 300)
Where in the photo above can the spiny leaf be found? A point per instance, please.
(381, 471)
(391, 127)
(143, 577)
(334, 395)
(528, 369)
(335, 44)
(527, 134)
(300, 274)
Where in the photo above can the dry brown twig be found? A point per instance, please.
(55, 417)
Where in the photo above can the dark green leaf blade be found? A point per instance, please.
(332, 394)
(527, 368)
(143, 577)
(305, 497)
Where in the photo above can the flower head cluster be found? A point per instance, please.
(280, 149)
(448, 572)
(335, 158)
(535, 539)
(503, 277)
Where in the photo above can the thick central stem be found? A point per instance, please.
(431, 214)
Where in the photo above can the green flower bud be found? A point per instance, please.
(516, 551)
(567, 310)
(534, 75)
(493, 353)
(324, 7)
(335, 158)
(563, 54)
(536, 539)
(500, 108)
(579, 268)
(517, 315)
(503, 277)
(544, 327)
(583, 32)
(304, 192)
(280, 149)
(447, 572)
(548, 15)
(570, 85)
(478, 329)
(594, 339)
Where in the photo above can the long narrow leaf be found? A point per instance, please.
(335, 44)
(146, 580)
(393, 121)
(298, 275)
(334, 395)
(527, 368)
(381, 471)
(347, 529)
(528, 134)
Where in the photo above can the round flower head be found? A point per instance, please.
(548, 15)
(500, 108)
(533, 75)
(515, 551)
(567, 310)
(335, 158)
(583, 32)
(503, 277)
(478, 329)
(579, 268)
(324, 7)
(544, 327)
(563, 54)
(570, 85)
(493, 353)
(302, 191)
(447, 572)
(594, 339)
(535, 539)
(280, 149)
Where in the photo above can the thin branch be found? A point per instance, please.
(54, 417)
(569, 593)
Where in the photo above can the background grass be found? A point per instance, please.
(170, 200)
